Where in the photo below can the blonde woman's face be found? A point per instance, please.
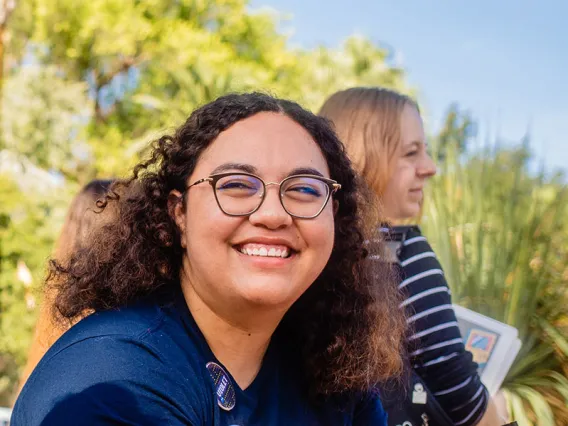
(413, 166)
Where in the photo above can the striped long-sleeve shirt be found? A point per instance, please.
(435, 345)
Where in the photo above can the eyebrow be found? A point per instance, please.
(414, 144)
(247, 168)
(305, 171)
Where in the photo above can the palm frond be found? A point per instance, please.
(501, 236)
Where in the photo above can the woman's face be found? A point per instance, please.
(413, 166)
(273, 147)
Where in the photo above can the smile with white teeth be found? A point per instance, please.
(264, 250)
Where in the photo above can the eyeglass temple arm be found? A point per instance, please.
(200, 181)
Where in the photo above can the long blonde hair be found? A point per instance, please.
(367, 120)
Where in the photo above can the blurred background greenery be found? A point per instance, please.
(84, 86)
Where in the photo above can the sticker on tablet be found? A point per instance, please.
(480, 343)
(224, 390)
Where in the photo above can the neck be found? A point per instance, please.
(389, 221)
(239, 346)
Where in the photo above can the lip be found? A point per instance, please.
(275, 241)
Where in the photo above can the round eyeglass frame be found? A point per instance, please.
(333, 186)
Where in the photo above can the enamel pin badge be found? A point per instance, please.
(419, 395)
(224, 389)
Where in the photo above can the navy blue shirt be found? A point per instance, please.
(146, 365)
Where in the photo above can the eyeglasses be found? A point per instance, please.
(242, 194)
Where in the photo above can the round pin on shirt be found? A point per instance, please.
(224, 389)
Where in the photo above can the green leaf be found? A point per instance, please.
(559, 340)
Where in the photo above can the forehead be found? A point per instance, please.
(271, 142)
(411, 127)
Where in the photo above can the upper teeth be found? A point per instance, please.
(264, 250)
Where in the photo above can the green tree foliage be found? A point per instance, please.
(44, 120)
(148, 64)
(44, 131)
(357, 62)
(457, 131)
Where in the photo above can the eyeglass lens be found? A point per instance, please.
(242, 194)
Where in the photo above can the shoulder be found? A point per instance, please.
(416, 255)
(369, 411)
(414, 240)
(118, 365)
(155, 329)
(106, 337)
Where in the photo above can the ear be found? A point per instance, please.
(176, 210)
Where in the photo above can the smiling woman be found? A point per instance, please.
(233, 289)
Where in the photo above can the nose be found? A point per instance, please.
(271, 213)
(427, 166)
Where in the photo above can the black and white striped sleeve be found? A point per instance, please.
(435, 344)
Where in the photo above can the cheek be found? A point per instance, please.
(319, 234)
(408, 173)
(401, 181)
(393, 191)
(207, 225)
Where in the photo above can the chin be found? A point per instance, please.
(268, 293)
(412, 212)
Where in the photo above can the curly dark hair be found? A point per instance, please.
(346, 331)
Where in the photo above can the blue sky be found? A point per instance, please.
(506, 61)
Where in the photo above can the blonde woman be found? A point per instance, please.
(384, 137)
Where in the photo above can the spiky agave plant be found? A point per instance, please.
(502, 237)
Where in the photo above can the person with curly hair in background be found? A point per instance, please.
(233, 288)
(384, 136)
